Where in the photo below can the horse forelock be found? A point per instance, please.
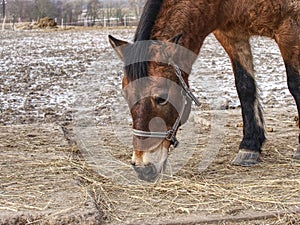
(137, 54)
(136, 60)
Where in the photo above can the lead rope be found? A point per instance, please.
(171, 136)
(185, 87)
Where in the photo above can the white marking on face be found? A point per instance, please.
(156, 157)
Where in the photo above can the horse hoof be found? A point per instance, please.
(246, 158)
(297, 154)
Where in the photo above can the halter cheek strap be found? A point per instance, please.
(170, 135)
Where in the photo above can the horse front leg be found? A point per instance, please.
(239, 51)
(253, 124)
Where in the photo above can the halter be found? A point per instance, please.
(170, 135)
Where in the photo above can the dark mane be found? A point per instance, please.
(150, 12)
(136, 54)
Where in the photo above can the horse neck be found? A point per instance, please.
(195, 19)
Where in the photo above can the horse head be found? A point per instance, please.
(158, 97)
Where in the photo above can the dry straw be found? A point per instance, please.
(267, 192)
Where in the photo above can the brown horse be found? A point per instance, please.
(166, 23)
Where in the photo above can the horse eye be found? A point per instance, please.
(161, 99)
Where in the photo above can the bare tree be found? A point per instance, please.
(137, 6)
(108, 8)
(94, 10)
(43, 8)
(21, 9)
(71, 10)
(119, 10)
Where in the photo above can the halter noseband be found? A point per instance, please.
(170, 135)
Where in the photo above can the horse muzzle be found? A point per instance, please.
(147, 173)
(150, 172)
(150, 164)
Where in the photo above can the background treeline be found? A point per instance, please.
(103, 12)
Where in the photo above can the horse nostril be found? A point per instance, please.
(138, 169)
(148, 170)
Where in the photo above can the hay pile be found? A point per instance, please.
(46, 22)
(43, 23)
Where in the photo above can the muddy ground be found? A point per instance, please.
(70, 81)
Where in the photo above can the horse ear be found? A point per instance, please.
(172, 48)
(118, 46)
(176, 38)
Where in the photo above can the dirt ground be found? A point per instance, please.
(38, 182)
(67, 84)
